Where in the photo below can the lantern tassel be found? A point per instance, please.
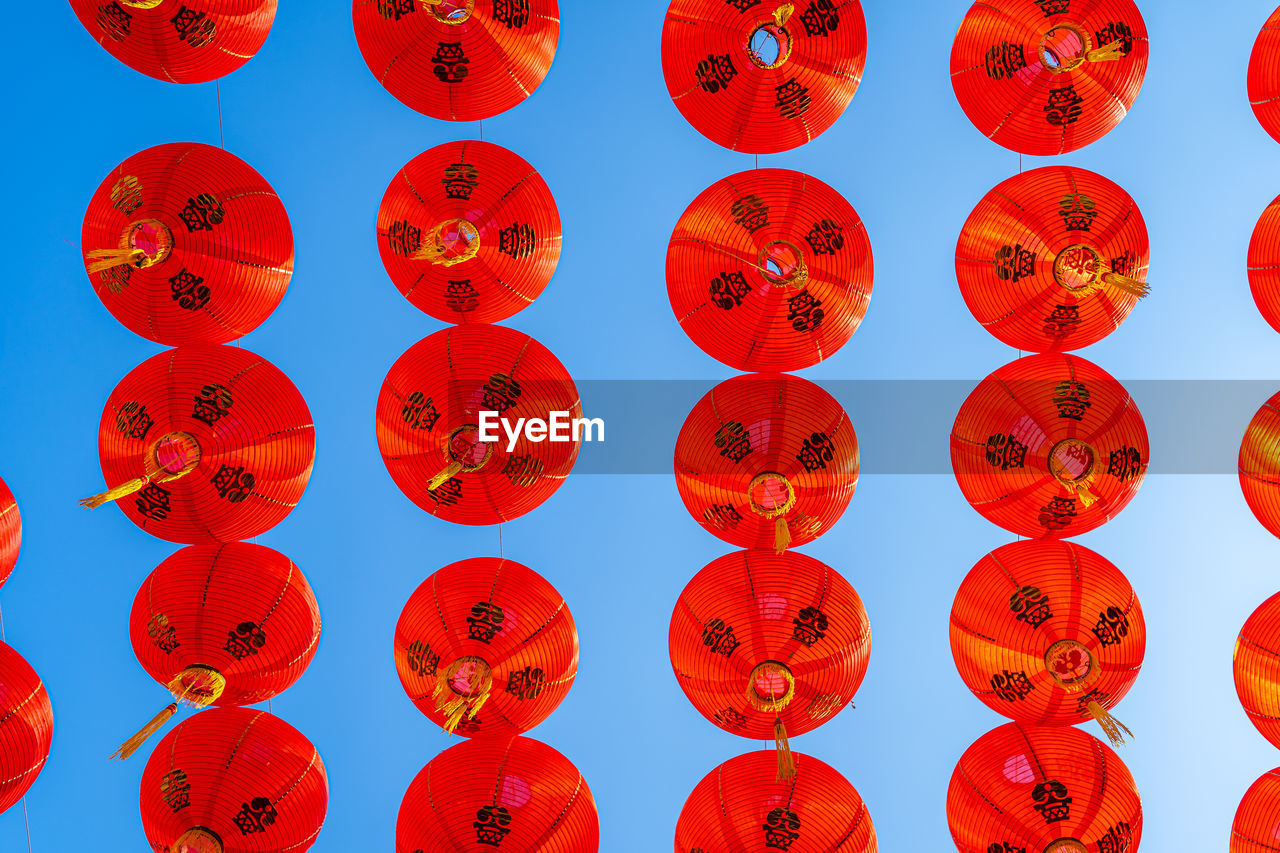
(121, 491)
(1110, 725)
(786, 761)
(1126, 284)
(1086, 497)
(101, 260)
(132, 745)
(459, 706)
(190, 679)
(781, 535)
(783, 14)
(1107, 53)
(453, 469)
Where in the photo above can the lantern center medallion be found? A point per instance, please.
(1070, 664)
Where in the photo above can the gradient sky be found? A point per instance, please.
(623, 164)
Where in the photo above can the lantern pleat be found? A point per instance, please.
(1259, 465)
(766, 99)
(1256, 827)
(211, 244)
(1022, 71)
(1037, 252)
(1049, 446)
(1257, 669)
(769, 270)
(10, 532)
(26, 726)
(506, 794)
(458, 60)
(249, 778)
(740, 806)
(1264, 262)
(462, 198)
(1264, 76)
(253, 431)
(1057, 790)
(765, 455)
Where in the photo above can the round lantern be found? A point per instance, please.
(1257, 669)
(486, 635)
(1049, 446)
(508, 794)
(741, 806)
(1046, 77)
(205, 444)
(767, 460)
(445, 414)
(1053, 259)
(769, 270)
(459, 60)
(231, 624)
(1264, 263)
(181, 41)
(26, 726)
(1048, 633)
(1259, 465)
(1056, 790)
(234, 780)
(763, 78)
(10, 532)
(1264, 76)
(767, 645)
(1256, 827)
(469, 232)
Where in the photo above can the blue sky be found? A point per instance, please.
(623, 164)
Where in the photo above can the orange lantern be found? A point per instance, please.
(1048, 633)
(1264, 263)
(509, 794)
(763, 78)
(1264, 76)
(766, 645)
(1049, 446)
(1259, 465)
(1053, 259)
(26, 726)
(1046, 77)
(491, 634)
(458, 59)
(1056, 790)
(10, 532)
(767, 460)
(1256, 827)
(769, 270)
(1257, 669)
(469, 232)
(741, 806)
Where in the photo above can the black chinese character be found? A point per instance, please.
(1005, 452)
(1117, 839)
(1116, 32)
(460, 296)
(404, 238)
(133, 420)
(719, 637)
(1064, 106)
(809, 626)
(460, 180)
(528, 683)
(804, 312)
(492, 824)
(115, 20)
(721, 517)
(715, 72)
(501, 393)
(523, 471)
(1004, 60)
(420, 412)
(1063, 321)
(397, 9)
(175, 790)
(1125, 464)
(518, 241)
(421, 659)
(793, 99)
(202, 213)
(1057, 514)
(742, 5)
(750, 212)
(1014, 263)
(1031, 606)
(447, 494)
(1071, 400)
(163, 635)
(821, 18)
(1078, 212)
(450, 62)
(234, 484)
(733, 441)
(817, 451)
(213, 403)
(245, 640)
(513, 13)
(825, 238)
(781, 829)
(1052, 801)
(1005, 847)
(1054, 7)
(485, 621)
(729, 290)
(153, 502)
(189, 291)
(1112, 626)
(1011, 686)
(728, 718)
(255, 816)
(126, 195)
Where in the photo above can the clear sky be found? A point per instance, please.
(623, 164)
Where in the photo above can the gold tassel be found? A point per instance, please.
(783, 14)
(105, 259)
(781, 535)
(786, 761)
(1106, 53)
(121, 491)
(453, 469)
(1128, 285)
(209, 682)
(1110, 725)
(1086, 497)
(131, 746)
(459, 706)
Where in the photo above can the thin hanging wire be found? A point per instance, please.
(501, 555)
(481, 123)
(217, 87)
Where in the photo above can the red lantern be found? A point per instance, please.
(789, 266)
(767, 460)
(1264, 263)
(208, 444)
(1264, 76)
(769, 645)
(430, 426)
(1257, 669)
(1053, 789)
(1049, 446)
(234, 780)
(486, 634)
(1048, 633)
(1260, 465)
(1053, 259)
(458, 59)
(741, 806)
(26, 726)
(469, 232)
(232, 624)
(1256, 827)
(181, 41)
(1040, 77)
(511, 793)
(763, 78)
(185, 244)
(10, 532)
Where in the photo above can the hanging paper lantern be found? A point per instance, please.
(205, 444)
(459, 60)
(1048, 633)
(231, 624)
(767, 461)
(1264, 263)
(1046, 77)
(1056, 790)
(185, 243)
(1049, 446)
(741, 806)
(469, 232)
(769, 645)
(26, 726)
(234, 780)
(1256, 827)
(1053, 259)
(10, 532)
(181, 41)
(430, 424)
(763, 77)
(769, 270)
(1260, 465)
(486, 647)
(1257, 669)
(1264, 76)
(509, 794)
